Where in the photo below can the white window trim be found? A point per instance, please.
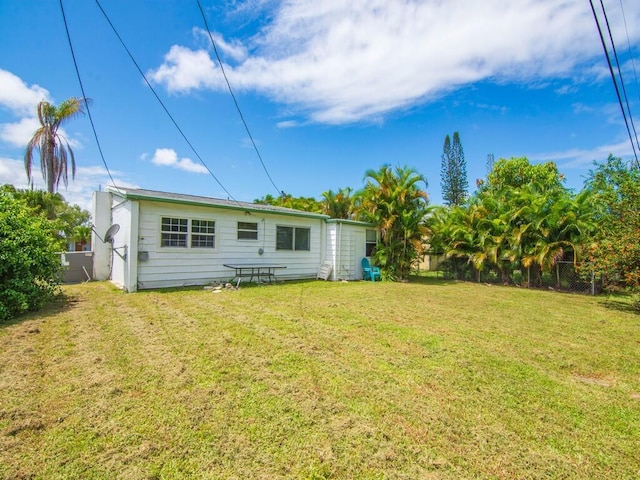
(189, 233)
(238, 230)
(367, 242)
(202, 234)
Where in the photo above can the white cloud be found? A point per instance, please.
(184, 70)
(19, 133)
(233, 49)
(168, 157)
(17, 96)
(12, 172)
(288, 124)
(576, 157)
(344, 60)
(78, 192)
(22, 101)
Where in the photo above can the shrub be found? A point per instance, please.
(30, 269)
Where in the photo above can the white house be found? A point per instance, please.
(167, 240)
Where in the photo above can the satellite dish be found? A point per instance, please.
(111, 232)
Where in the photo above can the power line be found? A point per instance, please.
(633, 64)
(624, 90)
(175, 123)
(84, 96)
(235, 101)
(615, 83)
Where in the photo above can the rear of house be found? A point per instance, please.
(347, 241)
(167, 240)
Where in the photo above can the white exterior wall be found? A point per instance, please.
(101, 223)
(178, 266)
(331, 252)
(345, 249)
(122, 214)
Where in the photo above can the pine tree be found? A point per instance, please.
(453, 172)
(445, 170)
(491, 160)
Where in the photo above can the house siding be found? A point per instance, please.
(138, 261)
(345, 249)
(121, 214)
(173, 266)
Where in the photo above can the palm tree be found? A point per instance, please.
(338, 205)
(55, 151)
(395, 203)
(82, 235)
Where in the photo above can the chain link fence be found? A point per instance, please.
(564, 276)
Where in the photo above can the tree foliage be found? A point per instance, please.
(453, 172)
(54, 149)
(394, 201)
(71, 221)
(29, 261)
(519, 221)
(338, 204)
(615, 250)
(518, 172)
(306, 204)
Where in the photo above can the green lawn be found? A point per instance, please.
(315, 380)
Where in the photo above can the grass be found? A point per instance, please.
(315, 380)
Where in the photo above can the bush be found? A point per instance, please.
(30, 269)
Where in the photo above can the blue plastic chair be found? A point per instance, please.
(370, 272)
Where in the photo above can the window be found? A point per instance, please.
(203, 234)
(175, 232)
(247, 231)
(284, 238)
(302, 238)
(293, 238)
(370, 243)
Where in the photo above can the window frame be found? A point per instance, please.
(174, 236)
(295, 240)
(370, 246)
(210, 226)
(246, 231)
(198, 234)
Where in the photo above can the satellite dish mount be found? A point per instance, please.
(109, 237)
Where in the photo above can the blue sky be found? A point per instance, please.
(328, 89)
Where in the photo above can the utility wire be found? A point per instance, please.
(235, 101)
(162, 103)
(84, 95)
(633, 64)
(615, 83)
(624, 90)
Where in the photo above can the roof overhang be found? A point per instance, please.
(194, 200)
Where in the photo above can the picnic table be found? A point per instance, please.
(254, 270)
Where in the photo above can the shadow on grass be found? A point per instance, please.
(431, 280)
(623, 303)
(305, 281)
(243, 285)
(60, 303)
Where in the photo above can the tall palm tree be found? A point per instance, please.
(55, 151)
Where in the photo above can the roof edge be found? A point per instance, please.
(346, 221)
(157, 196)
